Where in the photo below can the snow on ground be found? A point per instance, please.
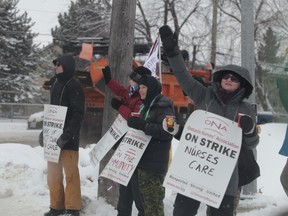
(24, 191)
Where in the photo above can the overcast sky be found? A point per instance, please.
(44, 13)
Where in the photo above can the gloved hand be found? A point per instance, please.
(169, 41)
(137, 123)
(62, 140)
(247, 124)
(107, 74)
(41, 143)
(172, 130)
(115, 103)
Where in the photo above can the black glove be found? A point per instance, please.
(247, 124)
(41, 143)
(137, 123)
(62, 140)
(107, 74)
(169, 41)
(115, 103)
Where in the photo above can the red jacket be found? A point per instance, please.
(131, 103)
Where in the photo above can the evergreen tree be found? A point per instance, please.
(16, 54)
(85, 18)
(267, 60)
(269, 48)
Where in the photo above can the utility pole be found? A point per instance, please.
(120, 56)
(214, 33)
(248, 60)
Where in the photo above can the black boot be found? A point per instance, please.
(72, 213)
(54, 212)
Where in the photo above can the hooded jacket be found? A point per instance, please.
(67, 91)
(154, 109)
(209, 99)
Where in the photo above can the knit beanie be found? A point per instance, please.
(138, 73)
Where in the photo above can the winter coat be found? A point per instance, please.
(209, 99)
(156, 155)
(67, 91)
(131, 103)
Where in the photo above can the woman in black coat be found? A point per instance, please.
(225, 97)
(153, 165)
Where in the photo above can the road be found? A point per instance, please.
(15, 131)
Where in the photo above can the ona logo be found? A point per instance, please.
(216, 123)
(52, 110)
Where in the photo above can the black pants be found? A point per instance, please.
(185, 206)
(128, 194)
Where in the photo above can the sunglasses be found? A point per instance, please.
(57, 64)
(232, 78)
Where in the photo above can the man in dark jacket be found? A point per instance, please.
(153, 164)
(127, 101)
(66, 91)
(225, 97)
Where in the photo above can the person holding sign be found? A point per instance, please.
(66, 91)
(153, 165)
(128, 101)
(225, 97)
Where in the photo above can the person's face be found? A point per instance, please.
(143, 91)
(132, 83)
(58, 68)
(230, 83)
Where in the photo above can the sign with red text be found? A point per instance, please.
(114, 133)
(125, 159)
(53, 124)
(205, 158)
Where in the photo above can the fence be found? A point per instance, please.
(19, 110)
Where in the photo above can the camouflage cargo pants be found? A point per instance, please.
(152, 192)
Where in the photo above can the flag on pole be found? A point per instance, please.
(87, 51)
(152, 59)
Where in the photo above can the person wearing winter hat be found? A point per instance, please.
(140, 71)
(153, 164)
(225, 97)
(66, 91)
(127, 100)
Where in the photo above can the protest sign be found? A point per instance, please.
(125, 159)
(205, 158)
(114, 133)
(53, 124)
(152, 59)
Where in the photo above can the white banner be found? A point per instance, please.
(125, 159)
(115, 132)
(152, 59)
(205, 158)
(53, 124)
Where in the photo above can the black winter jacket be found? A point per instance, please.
(156, 155)
(67, 91)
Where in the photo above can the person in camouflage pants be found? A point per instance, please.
(153, 164)
(152, 192)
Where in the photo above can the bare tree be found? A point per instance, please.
(184, 16)
(267, 13)
(120, 61)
